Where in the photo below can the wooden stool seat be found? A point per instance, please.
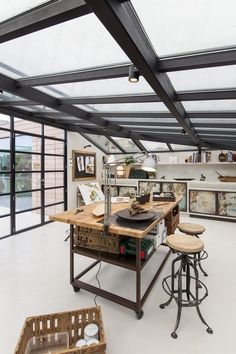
(185, 243)
(191, 229)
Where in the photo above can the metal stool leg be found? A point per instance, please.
(209, 330)
(179, 302)
(199, 261)
(162, 306)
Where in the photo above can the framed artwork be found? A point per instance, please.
(91, 193)
(149, 185)
(83, 165)
(179, 190)
(127, 191)
(226, 202)
(202, 202)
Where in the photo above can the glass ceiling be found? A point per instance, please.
(12, 8)
(67, 46)
(173, 28)
(187, 25)
(104, 87)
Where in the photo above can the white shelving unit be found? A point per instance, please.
(195, 163)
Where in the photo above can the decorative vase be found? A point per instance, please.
(222, 157)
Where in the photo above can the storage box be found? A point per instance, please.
(92, 239)
(72, 322)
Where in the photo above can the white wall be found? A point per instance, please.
(76, 142)
(193, 170)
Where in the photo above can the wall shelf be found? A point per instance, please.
(196, 163)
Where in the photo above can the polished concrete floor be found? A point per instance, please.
(34, 276)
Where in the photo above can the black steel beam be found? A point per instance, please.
(204, 95)
(216, 57)
(94, 143)
(10, 85)
(198, 95)
(133, 114)
(116, 145)
(212, 114)
(139, 145)
(109, 99)
(222, 126)
(42, 16)
(203, 59)
(16, 112)
(123, 24)
(89, 74)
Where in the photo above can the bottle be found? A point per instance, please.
(229, 156)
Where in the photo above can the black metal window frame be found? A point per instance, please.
(12, 172)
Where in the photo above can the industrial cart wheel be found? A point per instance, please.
(209, 330)
(174, 335)
(76, 290)
(139, 314)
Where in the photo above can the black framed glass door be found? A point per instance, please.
(32, 175)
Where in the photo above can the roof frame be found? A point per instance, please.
(42, 16)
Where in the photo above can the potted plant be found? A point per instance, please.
(129, 161)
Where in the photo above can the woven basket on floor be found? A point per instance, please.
(72, 322)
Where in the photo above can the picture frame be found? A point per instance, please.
(83, 165)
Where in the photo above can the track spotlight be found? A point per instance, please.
(133, 74)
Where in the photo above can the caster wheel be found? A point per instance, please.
(162, 306)
(209, 330)
(76, 290)
(139, 315)
(174, 335)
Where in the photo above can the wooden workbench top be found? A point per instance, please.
(87, 219)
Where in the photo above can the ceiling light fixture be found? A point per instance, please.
(133, 74)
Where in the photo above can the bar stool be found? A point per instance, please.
(185, 289)
(195, 230)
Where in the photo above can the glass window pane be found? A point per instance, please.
(12, 8)
(54, 209)
(54, 179)
(27, 181)
(28, 219)
(182, 147)
(199, 27)
(126, 107)
(154, 146)
(5, 205)
(54, 196)
(4, 121)
(104, 143)
(5, 226)
(210, 105)
(54, 147)
(203, 79)
(27, 126)
(4, 140)
(82, 39)
(5, 186)
(54, 132)
(27, 162)
(28, 200)
(5, 161)
(27, 143)
(54, 163)
(105, 87)
(127, 144)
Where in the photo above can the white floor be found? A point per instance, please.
(34, 277)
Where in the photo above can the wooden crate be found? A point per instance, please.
(72, 322)
(92, 239)
(172, 220)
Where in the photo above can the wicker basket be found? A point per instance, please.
(72, 322)
(89, 238)
(227, 178)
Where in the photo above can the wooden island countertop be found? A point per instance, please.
(88, 220)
